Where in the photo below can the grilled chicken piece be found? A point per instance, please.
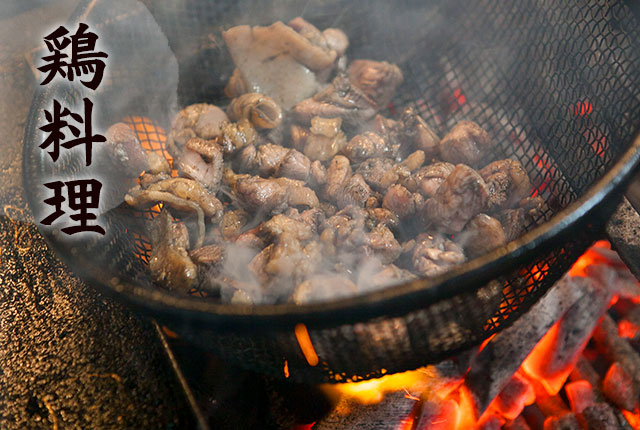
(181, 194)
(434, 255)
(341, 99)
(400, 201)
(202, 160)
(377, 79)
(381, 173)
(270, 195)
(390, 274)
(382, 216)
(383, 244)
(197, 120)
(236, 135)
(285, 62)
(323, 287)
(415, 131)
(338, 175)
(232, 223)
(459, 198)
(508, 183)
(481, 235)
(515, 221)
(344, 230)
(428, 179)
(260, 110)
(274, 160)
(466, 143)
(125, 152)
(367, 145)
(170, 264)
(355, 192)
(325, 139)
(283, 224)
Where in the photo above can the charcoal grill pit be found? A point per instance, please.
(557, 85)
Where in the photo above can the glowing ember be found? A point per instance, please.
(582, 108)
(286, 369)
(373, 391)
(627, 329)
(580, 395)
(589, 257)
(633, 418)
(309, 352)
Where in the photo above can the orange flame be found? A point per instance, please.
(309, 352)
(627, 329)
(633, 418)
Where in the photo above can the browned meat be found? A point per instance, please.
(433, 254)
(157, 164)
(385, 127)
(382, 216)
(428, 179)
(515, 221)
(322, 288)
(482, 234)
(344, 230)
(236, 135)
(508, 183)
(202, 160)
(367, 145)
(418, 134)
(381, 173)
(338, 175)
(299, 136)
(197, 120)
(400, 201)
(232, 222)
(414, 160)
(356, 192)
(383, 244)
(325, 139)
(270, 195)
(341, 99)
(236, 85)
(389, 275)
(287, 225)
(181, 194)
(124, 151)
(282, 61)
(461, 196)
(170, 264)
(466, 143)
(377, 79)
(260, 110)
(274, 160)
(318, 173)
(210, 260)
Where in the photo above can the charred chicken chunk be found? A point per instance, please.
(232, 223)
(236, 135)
(282, 61)
(461, 196)
(270, 195)
(428, 179)
(377, 79)
(323, 287)
(415, 131)
(383, 244)
(481, 235)
(260, 110)
(515, 221)
(341, 99)
(400, 201)
(433, 254)
(202, 161)
(344, 230)
(170, 264)
(366, 145)
(356, 192)
(466, 143)
(181, 194)
(325, 139)
(274, 160)
(124, 150)
(508, 183)
(381, 173)
(197, 120)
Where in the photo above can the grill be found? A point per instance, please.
(555, 85)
